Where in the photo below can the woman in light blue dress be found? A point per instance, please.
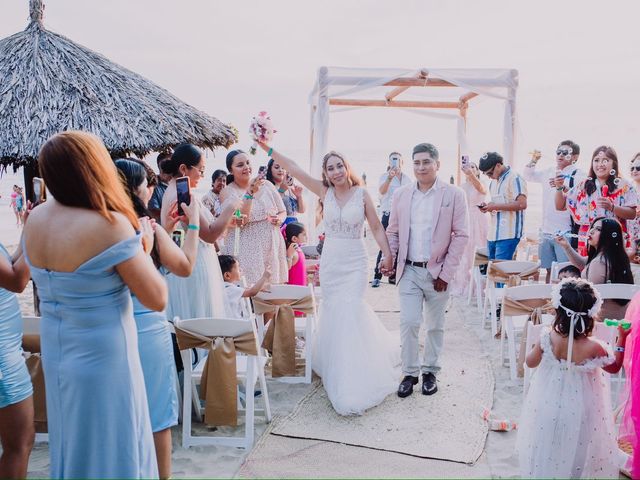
(86, 260)
(16, 401)
(154, 336)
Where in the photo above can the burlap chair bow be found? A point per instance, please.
(534, 308)
(495, 273)
(218, 386)
(280, 338)
(480, 259)
(31, 344)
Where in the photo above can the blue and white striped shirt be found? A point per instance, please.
(506, 224)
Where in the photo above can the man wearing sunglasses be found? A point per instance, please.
(555, 221)
(508, 192)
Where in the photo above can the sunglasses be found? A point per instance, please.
(635, 168)
(564, 153)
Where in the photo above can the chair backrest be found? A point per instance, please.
(286, 292)
(623, 291)
(555, 268)
(517, 266)
(526, 292)
(31, 325)
(482, 251)
(216, 326)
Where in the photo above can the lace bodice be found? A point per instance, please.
(346, 221)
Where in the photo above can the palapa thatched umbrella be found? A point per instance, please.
(50, 84)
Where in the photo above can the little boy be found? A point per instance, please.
(570, 271)
(231, 273)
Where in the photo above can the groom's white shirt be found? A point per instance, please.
(421, 229)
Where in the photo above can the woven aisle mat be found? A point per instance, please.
(282, 457)
(445, 426)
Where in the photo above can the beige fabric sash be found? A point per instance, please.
(496, 274)
(31, 344)
(219, 384)
(480, 259)
(535, 308)
(280, 338)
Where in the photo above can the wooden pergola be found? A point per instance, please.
(462, 86)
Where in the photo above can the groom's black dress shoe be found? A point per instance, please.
(429, 386)
(406, 386)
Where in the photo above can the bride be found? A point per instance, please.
(353, 353)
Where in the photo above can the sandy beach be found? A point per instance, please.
(496, 460)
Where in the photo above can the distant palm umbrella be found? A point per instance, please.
(49, 84)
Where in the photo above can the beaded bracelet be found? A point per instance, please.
(193, 227)
(281, 190)
(270, 152)
(248, 196)
(619, 349)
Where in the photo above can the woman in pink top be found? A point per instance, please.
(295, 235)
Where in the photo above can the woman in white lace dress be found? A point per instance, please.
(566, 428)
(354, 353)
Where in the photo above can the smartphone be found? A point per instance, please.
(289, 180)
(464, 161)
(39, 194)
(394, 162)
(183, 194)
(262, 171)
(178, 237)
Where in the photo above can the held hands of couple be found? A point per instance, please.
(386, 266)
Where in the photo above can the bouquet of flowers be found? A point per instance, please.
(261, 130)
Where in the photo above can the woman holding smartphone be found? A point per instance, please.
(261, 243)
(154, 337)
(86, 257)
(201, 294)
(291, 194)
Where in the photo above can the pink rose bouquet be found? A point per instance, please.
(261, 130)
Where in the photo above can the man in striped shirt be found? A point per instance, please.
(508, 192)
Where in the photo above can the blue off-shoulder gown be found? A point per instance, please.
(97, 410)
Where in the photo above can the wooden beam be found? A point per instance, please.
(396, 82)
(421, 75)
(347, 102)
(468, 96)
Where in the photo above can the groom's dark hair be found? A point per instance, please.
(426, 148)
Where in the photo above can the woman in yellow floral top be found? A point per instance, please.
(603, 194)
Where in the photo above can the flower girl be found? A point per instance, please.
(566, 426)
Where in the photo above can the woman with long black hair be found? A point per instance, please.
(154, 336)
(606, 261)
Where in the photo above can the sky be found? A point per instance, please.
(578, 62)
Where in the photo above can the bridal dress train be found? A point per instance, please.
(356, 356)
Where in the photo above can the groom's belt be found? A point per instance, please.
(417, 264)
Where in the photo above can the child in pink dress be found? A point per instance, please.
(295, 236)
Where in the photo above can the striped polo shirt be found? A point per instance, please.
(506, 225)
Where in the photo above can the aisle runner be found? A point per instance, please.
(445, 426)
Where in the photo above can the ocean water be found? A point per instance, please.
(371, 163)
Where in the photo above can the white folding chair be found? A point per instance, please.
(303, 325)
(512, 325)
(555, 268)
(251, 367)
(477, 279)
(31, 326)
(493, 293)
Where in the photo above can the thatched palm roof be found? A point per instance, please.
(49, 84)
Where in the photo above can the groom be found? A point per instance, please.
(428, 232)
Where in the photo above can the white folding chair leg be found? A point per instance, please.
(511, 343)
(308, 343)
(250, 401)
(265, 394)
(186, 399)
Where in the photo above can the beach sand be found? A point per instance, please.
(224, 462)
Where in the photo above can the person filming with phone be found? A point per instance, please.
(388, 184)
(291, 194)
(508, 192)
(555, 221)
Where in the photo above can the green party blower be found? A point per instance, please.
(617, 323)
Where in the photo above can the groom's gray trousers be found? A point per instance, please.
(418, 300)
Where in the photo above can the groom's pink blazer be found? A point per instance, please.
(450, 232)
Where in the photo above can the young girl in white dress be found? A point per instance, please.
(566, 427)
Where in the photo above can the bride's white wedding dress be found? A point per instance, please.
(356, 356)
